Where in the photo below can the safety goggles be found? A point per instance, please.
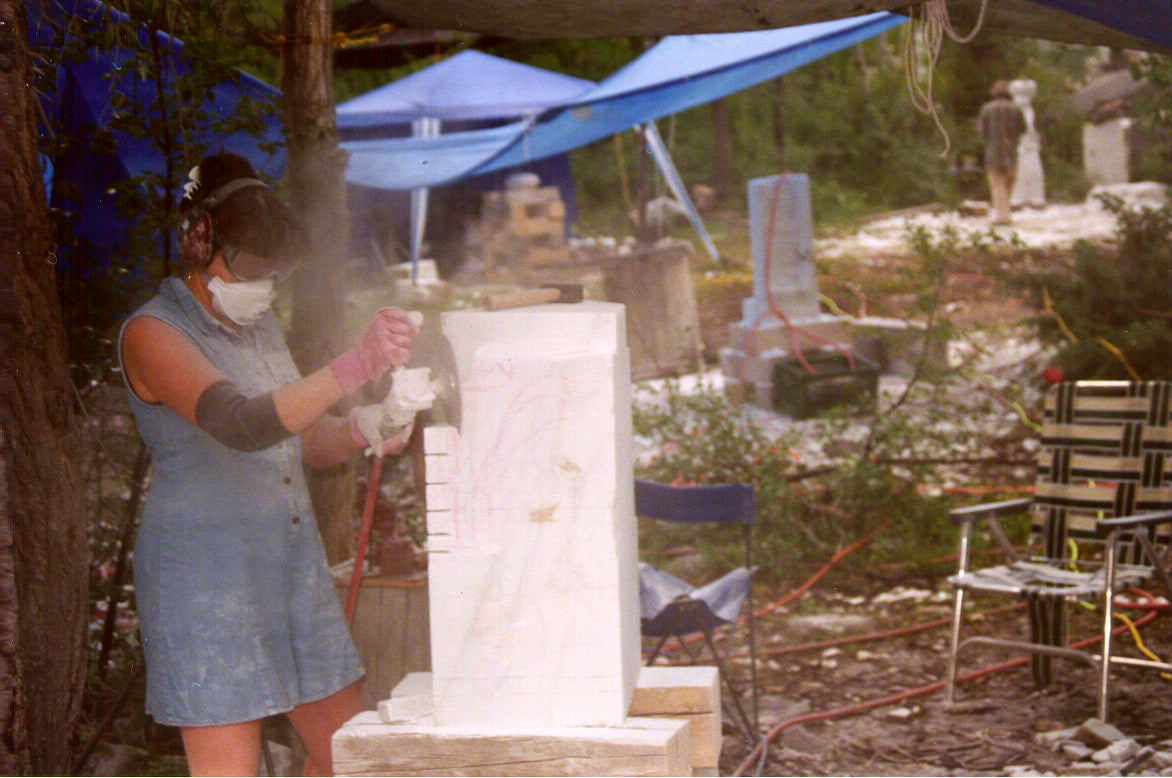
(250, 267)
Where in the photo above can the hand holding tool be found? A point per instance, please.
(384, 343)
(384, 428)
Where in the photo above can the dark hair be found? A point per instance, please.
(252, 218)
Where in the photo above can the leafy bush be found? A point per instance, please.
(1112, 313)
(804, 514)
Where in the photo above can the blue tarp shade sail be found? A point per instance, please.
(677, 73)
(682, 72)
(427, 161)
(80, 108)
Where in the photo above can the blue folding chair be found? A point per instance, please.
(673, 608)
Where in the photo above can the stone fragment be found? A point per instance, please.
(1095, 732)
(1075, 751)
(1056, 738)
(1119, 751)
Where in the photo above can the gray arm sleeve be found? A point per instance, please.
(239, 422)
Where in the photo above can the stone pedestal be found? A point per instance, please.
(783, 315)
(1106, 151)
(663, 325)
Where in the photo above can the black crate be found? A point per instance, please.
(834, 382)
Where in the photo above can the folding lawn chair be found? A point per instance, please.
(1100, 519)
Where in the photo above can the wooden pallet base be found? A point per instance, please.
(674, 728)
(642, 746)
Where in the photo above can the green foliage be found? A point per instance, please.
(1118, 298)
(804, 515)
(1154, 115)
(165, 114)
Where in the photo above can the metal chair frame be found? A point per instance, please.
(1102, 481)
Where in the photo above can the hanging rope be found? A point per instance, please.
(934, 25)
(337, 39)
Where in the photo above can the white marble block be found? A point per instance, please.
(532, 540)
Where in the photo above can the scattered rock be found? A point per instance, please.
(1075, 751)
(1056, 738)
(1119, 751)
(831, 623)
(902, 713)
(1098, 733)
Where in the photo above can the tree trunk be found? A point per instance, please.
(43, 549)
(316, 166)
(722, 162)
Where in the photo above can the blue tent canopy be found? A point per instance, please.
(453, 110)
(677, 73)
(95, 159)
(470, 85)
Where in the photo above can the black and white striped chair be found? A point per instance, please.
(1100, 519)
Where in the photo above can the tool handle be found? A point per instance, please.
(521, 299)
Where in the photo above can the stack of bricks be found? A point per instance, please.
(523, 226)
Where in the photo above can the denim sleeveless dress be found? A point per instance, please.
(238, 612)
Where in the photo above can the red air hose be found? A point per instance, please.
(1151, 606)
(376, 468)
(792, 330)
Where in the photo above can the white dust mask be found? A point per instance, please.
(244, 302)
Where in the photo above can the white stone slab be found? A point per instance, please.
(440, 523)
(534, 618)
(440, 497)
(440, 439)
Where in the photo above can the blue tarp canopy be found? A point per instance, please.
(79, 106)
(470, 85)
(451, 108)
(677, 73)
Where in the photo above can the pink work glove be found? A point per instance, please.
(385, 343)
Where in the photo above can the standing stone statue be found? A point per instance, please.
(1030, 188)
